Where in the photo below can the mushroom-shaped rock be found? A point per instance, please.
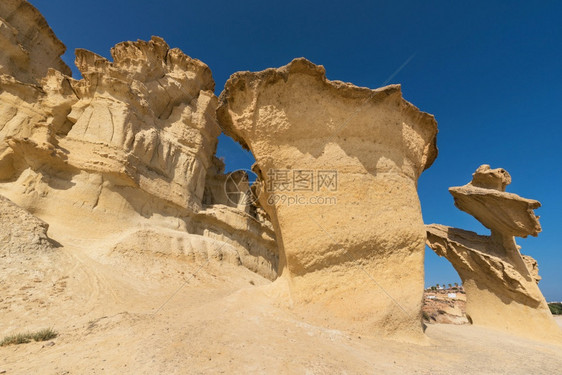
(339, 166)
(500, 283)
(503, 213)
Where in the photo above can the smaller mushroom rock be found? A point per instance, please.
(500, 283)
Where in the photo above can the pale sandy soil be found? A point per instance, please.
(224, 320)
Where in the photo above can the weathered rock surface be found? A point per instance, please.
(511, 215)
(29, 46)
(146, 120)
(21, 232)
(532, 266)
(500, 283)
(129, 146)
(354, 236)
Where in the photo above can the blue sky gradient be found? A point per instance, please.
(490, 72)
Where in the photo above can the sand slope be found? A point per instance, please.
(111, 312)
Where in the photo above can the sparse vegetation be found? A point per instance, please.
(24, 338)
(555, 308)
(20, 338)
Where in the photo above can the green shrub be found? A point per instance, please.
(24, 338)
(555, 308)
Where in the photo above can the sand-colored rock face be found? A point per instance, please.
(144, 121)
(129, 146)
(21, 232)
(29, 46)
(339, 165)
(511, 215)
(500, 283)
(157, 107)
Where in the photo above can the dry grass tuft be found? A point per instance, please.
(24, 338)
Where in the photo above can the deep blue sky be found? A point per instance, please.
(491, 73)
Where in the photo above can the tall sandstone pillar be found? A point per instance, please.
(339, 166)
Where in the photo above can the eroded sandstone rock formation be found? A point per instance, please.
(339, 165)
(29, 46)
(21, 232)
(146, 119)
(500, 283)
(129, 146)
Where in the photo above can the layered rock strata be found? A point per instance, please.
(130, 146)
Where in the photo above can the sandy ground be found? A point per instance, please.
(133, 314)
